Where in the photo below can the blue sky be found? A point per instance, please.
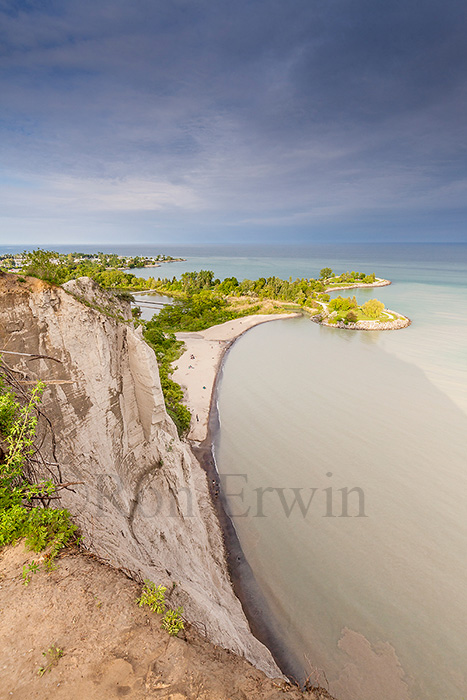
(204, 121)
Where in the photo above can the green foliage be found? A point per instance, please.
(351, 316)
(21, 514)
(347, 278)
(52, 656)
(193, 312)
(105, 269)
(153, 596)
(195, 281)
(325, 273)
(196, 312)
(9, 410)
(192, 283)
(168, 349)
(343, 304)
(28, 571)
(373, 308)
(45, 264)
(172, 622)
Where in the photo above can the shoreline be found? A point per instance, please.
(257, 611)
(218, 342)
(198, 367)
(379, 282)
(364, 325)
(203, 361)
(395, 325)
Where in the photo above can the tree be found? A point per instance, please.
(373, 308)
(343, 304)
(45, 264)
(325, 273)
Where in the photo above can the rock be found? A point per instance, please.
(144, 504)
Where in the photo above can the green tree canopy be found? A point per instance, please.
(45, 264)
(373, 308)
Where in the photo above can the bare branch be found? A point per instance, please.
(33, 356)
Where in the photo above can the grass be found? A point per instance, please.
(384, 317)
(52, 656)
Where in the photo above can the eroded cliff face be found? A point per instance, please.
(143, 504)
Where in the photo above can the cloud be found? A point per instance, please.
(262, 113)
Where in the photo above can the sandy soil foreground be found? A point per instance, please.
(197, 368)
(111, 648)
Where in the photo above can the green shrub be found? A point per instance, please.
(21, 510)
(168, 349)
(172, 622)
(351, 316)
(153, 596)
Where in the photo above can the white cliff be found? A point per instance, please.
(143, 505)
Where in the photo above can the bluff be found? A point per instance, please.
(142, 503)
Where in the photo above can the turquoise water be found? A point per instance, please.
(429, 286)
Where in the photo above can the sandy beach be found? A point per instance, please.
(197, 367)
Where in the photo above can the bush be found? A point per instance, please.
(373, 308)
(45, 264)
(168, 349)
(351, 316)
(343, 304)
(21, 501)
(154, 597)
(172, 622)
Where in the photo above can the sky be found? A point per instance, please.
(253, 121)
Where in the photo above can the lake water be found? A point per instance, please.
(378, 602)
(371, 595)
(150, 304)
(376, 606)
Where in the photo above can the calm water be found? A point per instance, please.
(147, 304)
(378, 602)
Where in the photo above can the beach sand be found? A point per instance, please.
(197, 368)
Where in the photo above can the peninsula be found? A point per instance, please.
(190, 335)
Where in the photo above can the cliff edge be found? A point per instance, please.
(143, 504)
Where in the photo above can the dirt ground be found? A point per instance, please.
(111, 647)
